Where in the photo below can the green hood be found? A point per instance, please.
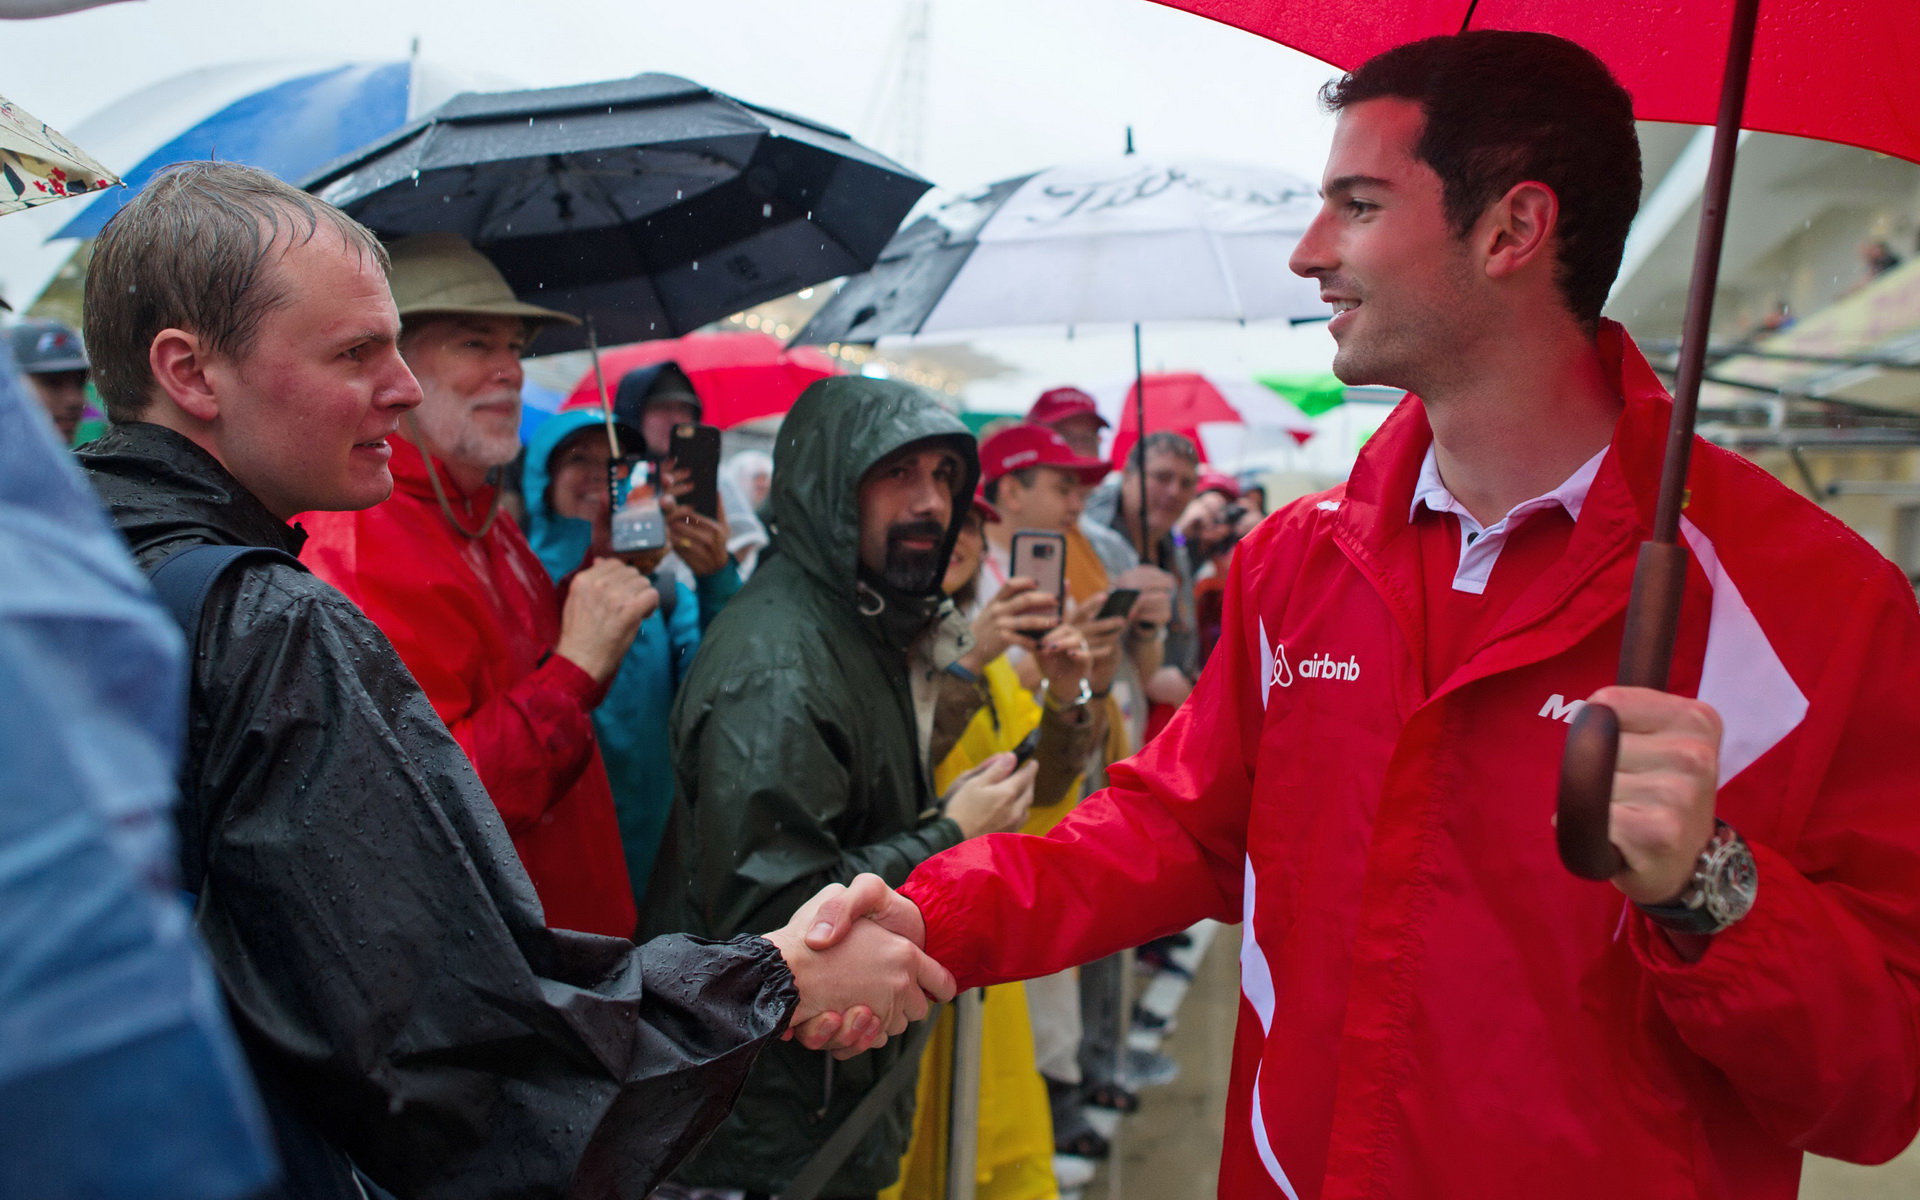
(837, 431)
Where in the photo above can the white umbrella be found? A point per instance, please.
(1117, 242)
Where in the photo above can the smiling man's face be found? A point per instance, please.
(1402, 286)
(469, 371)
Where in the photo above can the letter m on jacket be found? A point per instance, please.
(1560, 708)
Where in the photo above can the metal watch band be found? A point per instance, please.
(1719, 893)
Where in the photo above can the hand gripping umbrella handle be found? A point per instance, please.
(1593, 743)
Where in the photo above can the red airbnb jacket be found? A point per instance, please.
(1431, 1006)
(475, 620)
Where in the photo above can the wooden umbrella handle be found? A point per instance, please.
(1586, 794)
(1593, 743)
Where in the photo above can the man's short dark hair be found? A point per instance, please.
(194, 250)
(1163, 441)
(1504, 107)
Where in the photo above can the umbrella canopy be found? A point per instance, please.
(38, 165)
(287, 128)
(1837, 70)
(1194, 405)
(1120, 241)
(287, 117)
(652, 204)
(740, 376)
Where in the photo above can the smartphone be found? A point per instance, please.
(1120, 602)
(1042, 557)
(638, 522)
(1024, 751)
(695, 449)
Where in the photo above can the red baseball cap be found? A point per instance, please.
(1215, 481)
(987, 511)
(1061, 403)
(1021, 446)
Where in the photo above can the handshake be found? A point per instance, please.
(855, 954)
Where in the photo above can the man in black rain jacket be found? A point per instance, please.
(413, 1022)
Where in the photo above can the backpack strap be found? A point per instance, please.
(184, 578)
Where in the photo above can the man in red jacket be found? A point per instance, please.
(451, 581)
(1431, 1006)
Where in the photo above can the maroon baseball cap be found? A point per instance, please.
(1021, 446)
(985, 508)
(1063, 402)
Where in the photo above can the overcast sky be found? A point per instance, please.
(1010, 86)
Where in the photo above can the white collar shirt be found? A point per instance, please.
(1480, 546)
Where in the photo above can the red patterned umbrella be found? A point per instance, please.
(740, 376)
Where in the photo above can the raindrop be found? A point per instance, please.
(766, 210)
(696, 264)
(677, 193)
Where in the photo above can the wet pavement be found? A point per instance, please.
(1169, 1150)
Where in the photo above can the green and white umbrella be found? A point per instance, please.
(38, 165)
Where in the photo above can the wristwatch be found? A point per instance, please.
(1079, 701)
(1721, 891)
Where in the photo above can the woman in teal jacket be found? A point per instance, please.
(631, 723)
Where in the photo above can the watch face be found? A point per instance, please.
(1731, 882)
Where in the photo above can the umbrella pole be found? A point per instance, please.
(600, 381)
(1140, 425)
(1659, 577)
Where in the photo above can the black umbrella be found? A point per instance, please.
(652, 205)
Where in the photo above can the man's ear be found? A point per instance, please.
(1518, 227)
(180, 362)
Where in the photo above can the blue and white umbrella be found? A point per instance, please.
(285, 117)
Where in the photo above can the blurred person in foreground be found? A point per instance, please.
(1433, 1005)
(120, 1076)
(447, 575)
(798, 750)
(415, 1027)
(568, 505)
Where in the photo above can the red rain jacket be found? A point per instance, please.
(1431, 1006)
(475, 620)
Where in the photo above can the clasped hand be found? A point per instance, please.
(855, 955)
(1664, 783)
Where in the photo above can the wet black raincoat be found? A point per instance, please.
(797, 763)
(381, 948)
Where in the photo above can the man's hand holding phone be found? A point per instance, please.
(992, 798)
(1103, 635)
(699, 540)
(1018, 614)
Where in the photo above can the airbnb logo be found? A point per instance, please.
(1277, 671)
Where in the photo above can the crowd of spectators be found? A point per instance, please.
(554, 751)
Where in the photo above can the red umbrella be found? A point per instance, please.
(1183, 401)
(1838, 70)
(740, 376)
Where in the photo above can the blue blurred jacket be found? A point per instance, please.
(119, 1075)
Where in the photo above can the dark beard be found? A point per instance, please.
(914, 572)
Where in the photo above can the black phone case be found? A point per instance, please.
(695, 449)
